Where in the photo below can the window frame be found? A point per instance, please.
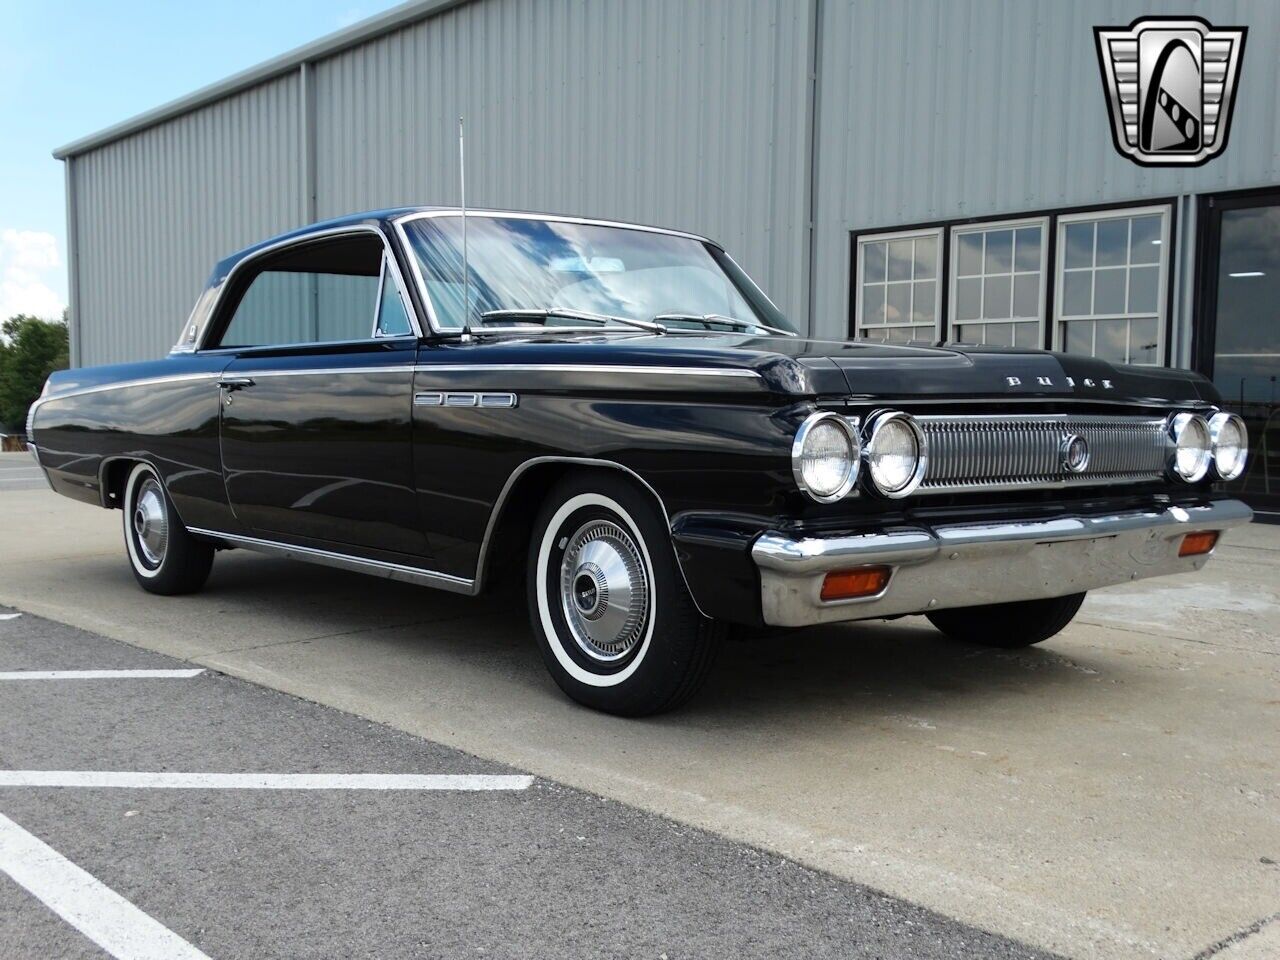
(1045, 223)
(939, 235)
(232, 289)
(377, 306)
(1164, 263)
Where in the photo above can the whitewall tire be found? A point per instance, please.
(612, 615)
(164, 557)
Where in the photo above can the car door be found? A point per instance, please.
(316, 406)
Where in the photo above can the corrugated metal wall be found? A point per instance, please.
(686, 114)
(960, 108)
(156, 210)
(662, 111)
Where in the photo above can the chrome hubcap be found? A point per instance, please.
(604, 590)
(151, 522)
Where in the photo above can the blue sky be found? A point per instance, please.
(71, 67)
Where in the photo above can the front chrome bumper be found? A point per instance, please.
(968, 564)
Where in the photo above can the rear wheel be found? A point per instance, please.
(165, 558)
(1008, 625)
(614, 620)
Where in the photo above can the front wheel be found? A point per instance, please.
(614, 620)
(1008, 625)
(165, 558)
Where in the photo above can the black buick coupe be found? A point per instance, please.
(619, 415)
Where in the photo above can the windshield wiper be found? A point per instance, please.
(706, 319)
(532, 313)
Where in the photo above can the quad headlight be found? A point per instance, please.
(896, 453)
(825, 457)
(1192, 447)
(1229, 439)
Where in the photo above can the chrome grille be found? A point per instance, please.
(972, 453)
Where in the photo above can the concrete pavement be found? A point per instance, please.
(1112, 793)
(537, 870)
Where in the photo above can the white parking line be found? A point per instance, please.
(83, 901)
(98, 674)
(9, 616)
(263, 781)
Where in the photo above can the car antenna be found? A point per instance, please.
(466, 273)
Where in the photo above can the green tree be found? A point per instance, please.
(30, 350)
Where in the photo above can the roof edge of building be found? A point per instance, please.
(352, 36)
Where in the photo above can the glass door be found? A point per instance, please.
(1239, 336)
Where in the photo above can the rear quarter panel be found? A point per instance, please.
(164, 412)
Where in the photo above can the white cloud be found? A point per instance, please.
(28, 258)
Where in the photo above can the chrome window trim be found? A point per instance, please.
(384, 568)
(248, 352)
(333, 371)
(388, 256)
(586, 368)
(398, 224)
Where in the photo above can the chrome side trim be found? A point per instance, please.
(333, 371)
(496, 513)
(344, 561)
(586, 368)
(488, 400)
(969, 564)
(123, 385)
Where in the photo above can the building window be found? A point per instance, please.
(1112, 269)
(899, 287)
(998, 283)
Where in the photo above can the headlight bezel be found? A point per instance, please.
(855, 455)
(1179, 424)
(1217, 423)
(876, 424)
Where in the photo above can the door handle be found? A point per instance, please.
(235, 383)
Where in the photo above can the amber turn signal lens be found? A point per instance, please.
(1194, 544)
(851, 584)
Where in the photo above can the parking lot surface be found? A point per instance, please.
(1111, 793)
(511, 868)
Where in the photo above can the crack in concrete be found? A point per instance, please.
(1243, 934)
(339, 633)
(1167, 636)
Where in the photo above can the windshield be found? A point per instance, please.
(519, 264)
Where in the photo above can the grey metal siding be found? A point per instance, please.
(967, 108)
(156, 210)
(688, 115)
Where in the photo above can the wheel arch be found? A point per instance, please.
(113, 474)
(513, 512)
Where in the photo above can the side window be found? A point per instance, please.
(319, 292)
(393, 320)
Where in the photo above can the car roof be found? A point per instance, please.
(385, 217)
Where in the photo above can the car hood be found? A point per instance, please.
(874, 370)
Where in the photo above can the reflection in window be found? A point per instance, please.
(997, 293)
(1111, 278)
(898, 286)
